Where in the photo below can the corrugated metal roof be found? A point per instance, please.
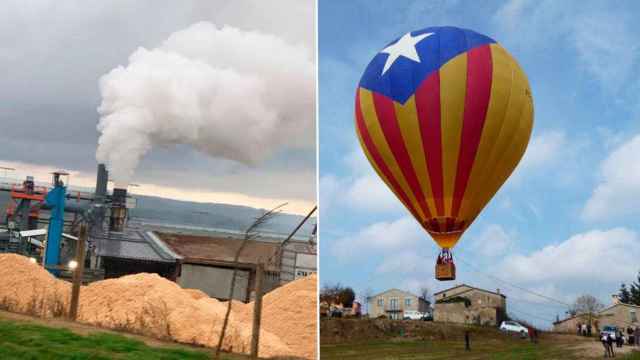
(220, 250)
(133, 244)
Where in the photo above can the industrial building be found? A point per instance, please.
(466, 304)
(42, 221)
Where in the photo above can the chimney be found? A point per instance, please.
(498, 291)
(615, 299)
(118, 210)
(101, 182)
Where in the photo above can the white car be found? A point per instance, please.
(413, 315)
(512, 326)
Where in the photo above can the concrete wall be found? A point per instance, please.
(386, 308)
(215, 281)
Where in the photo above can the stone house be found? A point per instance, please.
(466, 304)
(570, 324)
(393, 303)
(618, 314)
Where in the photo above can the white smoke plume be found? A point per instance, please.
(232, 94)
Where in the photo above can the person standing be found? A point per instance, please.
(610, 345)
(637, 335)
(579, 326)
(589, 330)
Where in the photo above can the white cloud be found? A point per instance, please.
(380, 238)
(492, 241)
(403, 262)
(544, 149)
(361, 189)
(590, 257)
(618, 193)
(588, 30)
(369, 193)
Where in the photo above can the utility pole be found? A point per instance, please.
(78, 272)
(257, 311)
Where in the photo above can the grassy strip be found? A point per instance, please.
(30, 341)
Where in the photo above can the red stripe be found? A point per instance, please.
(373, 151)
(479, 74)
(389, 123)
(428, 108)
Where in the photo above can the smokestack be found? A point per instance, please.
(118, 210)
(101, 182)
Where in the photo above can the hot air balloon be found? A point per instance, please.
(444, 115)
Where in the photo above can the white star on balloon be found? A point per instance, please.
(406, 47)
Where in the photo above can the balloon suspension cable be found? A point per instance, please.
(445, 257)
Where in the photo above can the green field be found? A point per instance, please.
(19, 340)
(432, 350)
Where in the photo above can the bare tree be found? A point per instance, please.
(366, 295)
(250, 234)
(586, 304)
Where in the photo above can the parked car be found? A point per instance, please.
(512, 326)
(609, 330)
(427, 317)
(413, 315)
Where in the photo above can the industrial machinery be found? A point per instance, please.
(30, 204)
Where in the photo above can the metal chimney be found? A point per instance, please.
(118, 209)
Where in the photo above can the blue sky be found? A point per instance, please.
(564, 224)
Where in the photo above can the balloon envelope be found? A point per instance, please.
(444, 115)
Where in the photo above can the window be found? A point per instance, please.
(634, 317)
(381, 302)
(393, 304)
(407, 302)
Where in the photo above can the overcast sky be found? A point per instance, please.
(53, 53)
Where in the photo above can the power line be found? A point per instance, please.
(513, 285)
(531, 315)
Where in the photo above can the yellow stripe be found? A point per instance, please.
(453, 86)
(512, 140)
(380, 142)
(498, 102)
(376, 168)
(410, 128)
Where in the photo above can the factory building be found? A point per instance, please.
(206, 263)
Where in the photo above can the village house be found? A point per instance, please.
(618, 314)
(393, 303)
(466, 304)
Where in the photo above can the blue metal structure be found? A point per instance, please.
(55, 200)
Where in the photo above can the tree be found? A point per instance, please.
(425, 293)
(366, 295)
(337, 294)
(586, 304)
(635, 292)
(631, 294)
(624, 295)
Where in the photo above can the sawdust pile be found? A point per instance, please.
(285, 312)
(151, 305)
(28, 288)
